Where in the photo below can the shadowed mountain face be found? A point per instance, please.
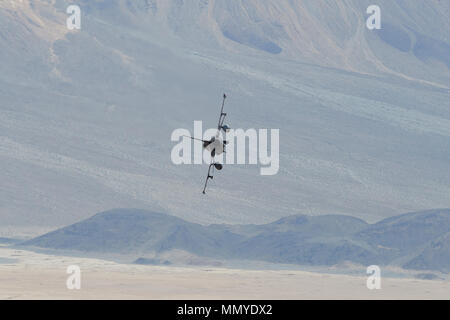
(128, 230)
(86, 116)
(413, 239)
(435, 255)
(409, 230)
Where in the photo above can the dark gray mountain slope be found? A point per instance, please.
(134, 231)
(436, 256)
(408, 231)
(301, 239)
(406, 234)
(420, 240)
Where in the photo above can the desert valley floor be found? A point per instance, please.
(29, 275)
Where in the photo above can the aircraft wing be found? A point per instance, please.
(222, 114)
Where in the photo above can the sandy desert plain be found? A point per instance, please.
(29, 275)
